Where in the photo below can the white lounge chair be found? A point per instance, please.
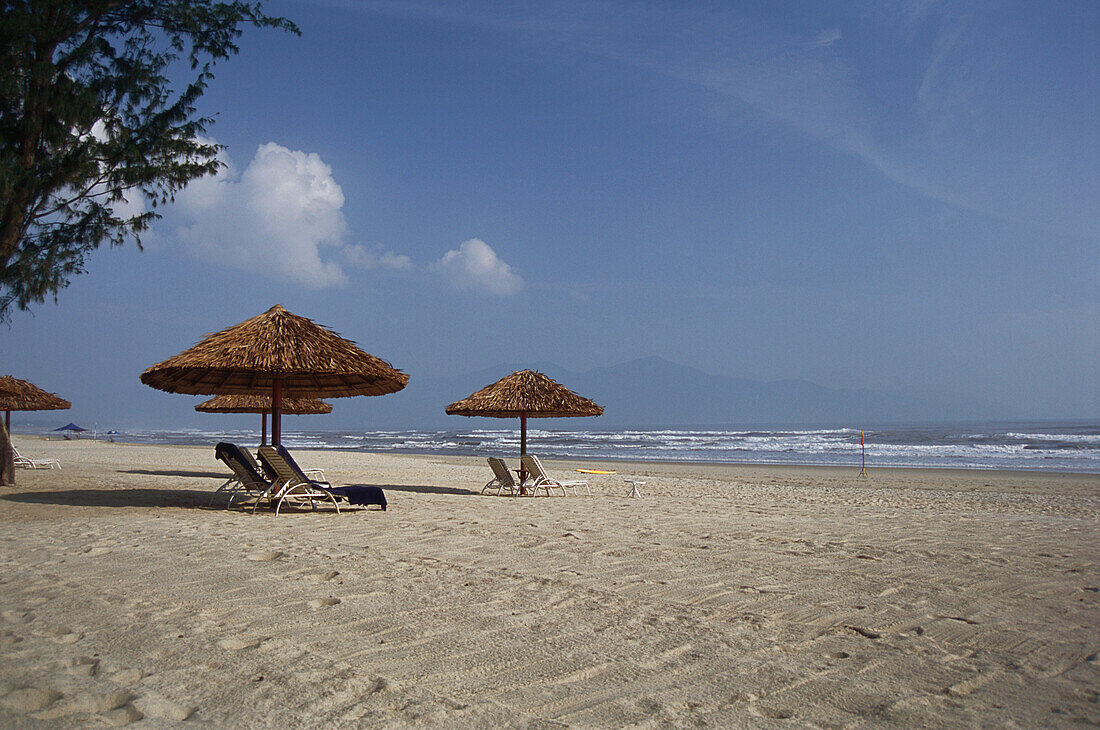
(537, 477)
(502, 478)
(25, 463)
(292, 486)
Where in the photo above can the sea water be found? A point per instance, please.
(1036, 446)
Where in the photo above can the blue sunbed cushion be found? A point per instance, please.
(226, 451)
(290, 460)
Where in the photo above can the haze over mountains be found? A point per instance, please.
(647, 393)
(653, 392)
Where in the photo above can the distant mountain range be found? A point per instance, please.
(653, 392)
(647, 393)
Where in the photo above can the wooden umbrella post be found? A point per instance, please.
(263, 428)
(522, 445)
(276, 402)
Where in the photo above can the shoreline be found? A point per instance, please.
(639, 463)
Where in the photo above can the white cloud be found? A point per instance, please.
(474, 266)
(131, 205)
(282, 216)
(360, 257)
(827, 37)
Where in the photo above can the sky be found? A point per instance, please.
(902, 196)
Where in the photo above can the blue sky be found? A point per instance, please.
(900, 196)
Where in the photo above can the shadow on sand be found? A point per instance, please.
(178, 473)
(423, 489)
(183, 498)
(187, 498)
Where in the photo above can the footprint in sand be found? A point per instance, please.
(837, 655)
(17, 617)
(323, 576)
(160, 708)
(114, 707)
(323, 602)
(863, 632)
(61, 634)
(84, 666)
(8, 639)
(773, 713)
(380, 685)
(30, 699)
(123, 715)
(102, 703)
(265, 556)
(125, 676)
(240, 643)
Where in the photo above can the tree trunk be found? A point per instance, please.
(7, 458)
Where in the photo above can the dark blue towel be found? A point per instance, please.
(362, 495)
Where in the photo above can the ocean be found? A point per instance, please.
(1034, 446)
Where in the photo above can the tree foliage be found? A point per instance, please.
(89, 122)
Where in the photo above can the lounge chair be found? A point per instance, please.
(291, 483)
(313, 475)
(502, 478)
(24, 462)
(247, 478)
(537, 478)
(361, 494)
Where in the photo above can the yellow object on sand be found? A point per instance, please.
(594, 471)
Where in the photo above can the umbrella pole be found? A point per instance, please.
(522, 444)
(263, 428)
(7, 420)
(276, 403)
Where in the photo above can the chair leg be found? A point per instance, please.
(259, 500)
(217, 492)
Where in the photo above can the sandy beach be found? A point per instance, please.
(728, 596)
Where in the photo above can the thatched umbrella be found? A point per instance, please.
(19, 395)
(525, 394)
(276, 353)
(262, 404)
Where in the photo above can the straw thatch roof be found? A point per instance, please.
(262, 404)
(19, 395)
(313, 362)
(525, 392)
